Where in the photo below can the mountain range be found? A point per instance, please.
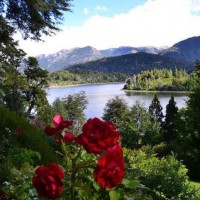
(125, 58)
(188, 50)
(66, 58)
(132, 64)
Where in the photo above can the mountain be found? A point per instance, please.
(66, 58)
(188, 50)
(57, 61)
(128, 50)
(132, 64)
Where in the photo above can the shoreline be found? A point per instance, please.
(157, 91)
(132, 91)
(81, 84)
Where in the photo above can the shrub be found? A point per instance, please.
(166, 177)
(19, 185)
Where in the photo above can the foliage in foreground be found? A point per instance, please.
(134, 123)
(145, 173)
(166, 178)
(13, 145)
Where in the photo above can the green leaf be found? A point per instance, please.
(96, 186)
(130, 183)
(114, 195)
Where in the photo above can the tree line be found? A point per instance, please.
(161, 79)
(70, 77)
(177, 131)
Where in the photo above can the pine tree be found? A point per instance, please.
(155, 110)
(169, 129)
(188, 134)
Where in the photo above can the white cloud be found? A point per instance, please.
(156, 23)
(86, 11)
(195, 5)
(101, 8)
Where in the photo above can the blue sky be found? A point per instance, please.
(84, 9)
(112, 23)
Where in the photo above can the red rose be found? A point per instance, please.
(97, 136)
(109, 171)
(19, 131)
(58, 139)
(68, 137)
(49, 181)
(59, 124)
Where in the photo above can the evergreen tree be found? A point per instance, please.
(115, 110)
(169, 129)
(193, 106)
(155, 110)
(32, 19)
(188, 126)
(37, 81)
(137, 129)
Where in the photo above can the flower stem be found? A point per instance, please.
(73, 176)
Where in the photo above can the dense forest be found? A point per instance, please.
(51, 151)
(72, 77)
(161, 80)
(134, 64)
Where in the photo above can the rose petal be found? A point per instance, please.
(57, 120)
(50, 131)
(68, 138)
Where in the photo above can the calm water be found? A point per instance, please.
(98, 96)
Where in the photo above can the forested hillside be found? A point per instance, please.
(133, 64)
(71, 77)
(188, 50)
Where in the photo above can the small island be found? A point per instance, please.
(160, 80)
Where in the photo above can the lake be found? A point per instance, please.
(99, 94)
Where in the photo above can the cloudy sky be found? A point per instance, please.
(112, 23)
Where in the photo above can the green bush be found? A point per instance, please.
(19, 156)
(19, 185)
(166, 177)
(31, 138)
(16, 149)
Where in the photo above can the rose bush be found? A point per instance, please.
(19, 131)
(48, 181)
(109, 171)
(97, 137)
(68, 137)
(59, 124)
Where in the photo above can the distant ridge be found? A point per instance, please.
(185, 52)
(66, 58)
(57, 61)
(133, 64)
(188, 50)
(128, 50)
